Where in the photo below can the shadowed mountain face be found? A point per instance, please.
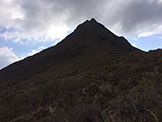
(89, 41)
(90, 76)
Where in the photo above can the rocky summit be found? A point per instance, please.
(92, 75)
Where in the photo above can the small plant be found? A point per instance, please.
(152, 114)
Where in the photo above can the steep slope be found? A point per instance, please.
(90, 40)
(90, 76)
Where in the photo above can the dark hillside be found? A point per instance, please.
(90, 76)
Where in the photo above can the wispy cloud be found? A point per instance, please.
(26, 21)
(154, 31)
(134, 44)
(47, 20)
(34, 51)
(7, 56)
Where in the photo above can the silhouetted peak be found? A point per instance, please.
(93, 20)
(92, 32)
(90, 26)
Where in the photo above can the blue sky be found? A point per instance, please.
(27, 26)
(147, 43)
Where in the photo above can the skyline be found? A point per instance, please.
(27, 27)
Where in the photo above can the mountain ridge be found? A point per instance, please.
(88, 38)
(90, 76)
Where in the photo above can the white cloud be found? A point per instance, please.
(38, 25)
(154, 31)
(10, 13)
(160, 1)
(34, 51)
(7, 56)
(134, 44)
(57, 32)
(145, 34)
(47, 20)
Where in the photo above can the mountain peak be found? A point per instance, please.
(91, 34)
(93, 20)
(55, 80)
(89, 39)
(90, 25)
